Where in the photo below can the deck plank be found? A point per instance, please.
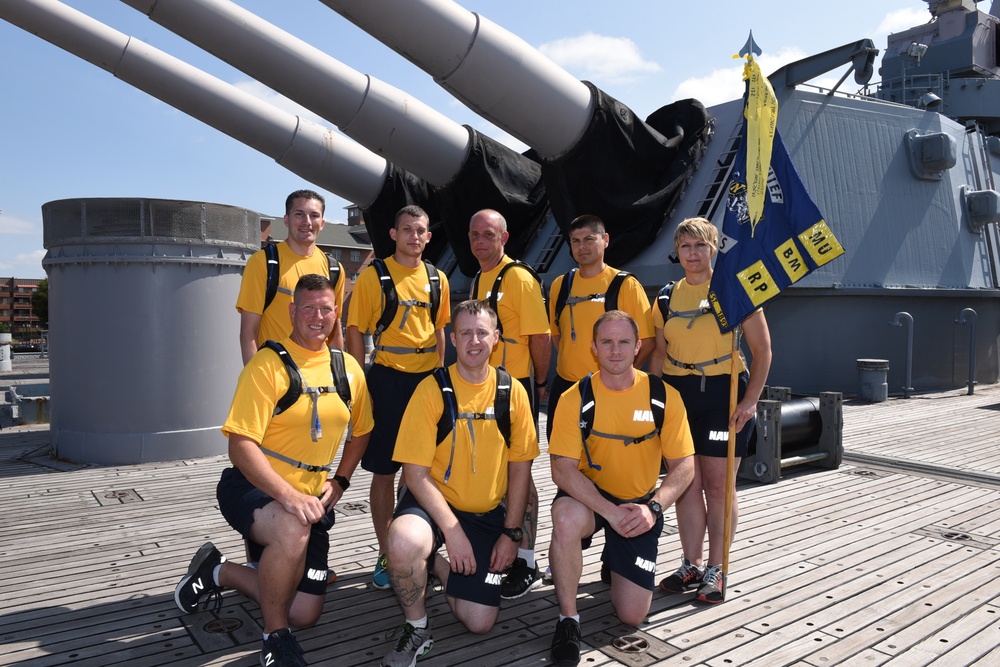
(829, 567)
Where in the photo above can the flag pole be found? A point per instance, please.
(727, 535)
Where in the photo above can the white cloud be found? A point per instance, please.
(31, 259)
(723, 85)
(900, 20)
(9, 225)
(600, 58)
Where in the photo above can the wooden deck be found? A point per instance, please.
(890, 560)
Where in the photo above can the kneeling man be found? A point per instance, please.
(606, 462)
(467, 439)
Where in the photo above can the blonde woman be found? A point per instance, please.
(695, 359)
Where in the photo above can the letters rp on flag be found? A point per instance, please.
(757, 261)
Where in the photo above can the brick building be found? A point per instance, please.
(16, 310)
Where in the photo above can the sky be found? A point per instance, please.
(69, 129)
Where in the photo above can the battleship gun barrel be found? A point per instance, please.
(301, 146)
(596, 156)
(382, 118)
(491, 70)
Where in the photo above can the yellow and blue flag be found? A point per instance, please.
(773, 234)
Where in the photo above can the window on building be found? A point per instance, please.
(335, 253)
(355, 255)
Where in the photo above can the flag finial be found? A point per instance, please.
(750, 48)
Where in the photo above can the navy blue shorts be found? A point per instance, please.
(631, 557)
(708, 412)
(483, 531)
(390, 391)
(239, 499)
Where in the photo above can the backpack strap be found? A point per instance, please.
(587, 415)
(609, 297)
(434, 280)
(296, 387)
(336, 268)
(391, 303)
(492, 298)
(273, 274)
(450, 414)
(614, 287)
(663, 303)
(657, 406)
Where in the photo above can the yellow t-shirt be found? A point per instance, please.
(575, 356)
(627, 471)
(275, 323)
(417, 331)
(522, 313)
(478, 480)
(264, 381)
(699, 343)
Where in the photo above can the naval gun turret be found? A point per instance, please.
(908, 188)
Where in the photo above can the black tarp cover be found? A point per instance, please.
(626, 172)
(492, 176)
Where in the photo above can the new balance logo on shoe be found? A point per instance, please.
(647, 565)
(197, 586)
(494, 578)
(720, 436)
(268, 659)
(642, 416)
(317, 575)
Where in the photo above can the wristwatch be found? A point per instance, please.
(344, 483)
(514, 533)
(655, 506)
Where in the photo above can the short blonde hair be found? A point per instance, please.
(701, 229)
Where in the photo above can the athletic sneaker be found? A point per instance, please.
(519, 580)
(713, 587)
(412, 645)
(380, 578)
(687, 576)
(566, 643)
(198, 582)
(281, 649)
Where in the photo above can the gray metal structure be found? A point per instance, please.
(904, 171)
(142, 330)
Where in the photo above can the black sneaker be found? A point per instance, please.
(566, 643)
(281, 649)
(519, 580)
(687, 576)
(713, 586)
(198, 582)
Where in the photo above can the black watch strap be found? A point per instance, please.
(344, 483)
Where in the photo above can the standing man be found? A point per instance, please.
(404, 301)
(579, 297)
(466, 441)
(606, 461)
(514, 292)
(278, 494)
(295, 257)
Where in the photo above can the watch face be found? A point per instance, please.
(655, 506)
(515, 534)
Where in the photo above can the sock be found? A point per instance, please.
(215, 575)
(420, 623)
(528, 555)
(268, 634)
(575, 618)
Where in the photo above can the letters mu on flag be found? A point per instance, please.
(757, 261)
